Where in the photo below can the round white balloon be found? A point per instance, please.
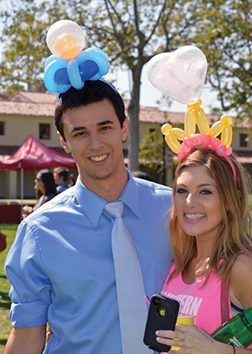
(179, 74)
(65, 28)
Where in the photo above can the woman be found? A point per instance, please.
(211, 247)
(45, 190)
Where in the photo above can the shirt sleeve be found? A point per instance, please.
(30, 287)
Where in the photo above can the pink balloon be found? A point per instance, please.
(185, 147)
(215, 143)
(197, 139)
(206, 140)
(181, 155)
(229, 151)
(188, 142)
(221, 150)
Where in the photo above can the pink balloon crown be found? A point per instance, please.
(207, 135)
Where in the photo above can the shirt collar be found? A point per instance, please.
(130, 195)
(93, 205)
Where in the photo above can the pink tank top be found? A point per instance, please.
(202, 303)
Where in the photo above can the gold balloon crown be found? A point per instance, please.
(207, 135)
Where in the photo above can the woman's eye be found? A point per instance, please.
(181, 190)
(206, 191)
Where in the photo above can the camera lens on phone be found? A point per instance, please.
(156, 301)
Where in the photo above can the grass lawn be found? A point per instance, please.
(5, 326)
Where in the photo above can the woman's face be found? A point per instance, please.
(197, 203)
(39, 185)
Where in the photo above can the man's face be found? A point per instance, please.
(94, 138)
(57, 178)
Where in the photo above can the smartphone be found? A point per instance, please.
(162, 315)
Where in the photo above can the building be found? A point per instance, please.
(32, 113)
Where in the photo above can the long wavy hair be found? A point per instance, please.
(233, 237)
(48, 180)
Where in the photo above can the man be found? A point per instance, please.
(60, 175)
(61, 264)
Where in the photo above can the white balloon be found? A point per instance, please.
(179, 74)
(63, 27)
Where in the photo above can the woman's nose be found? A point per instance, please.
(191, 199)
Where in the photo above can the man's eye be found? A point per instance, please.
(181, 190)
(79, 134)
(106, 128)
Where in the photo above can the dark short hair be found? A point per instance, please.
(93, 91)
(62, 172)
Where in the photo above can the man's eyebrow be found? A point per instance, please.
(105, 122)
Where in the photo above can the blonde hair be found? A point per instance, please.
(233, 237)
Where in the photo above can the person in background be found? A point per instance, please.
(45, 189)
(60, 175)
(72, 180)
(143, 175)
(211, 248)
(61, 263)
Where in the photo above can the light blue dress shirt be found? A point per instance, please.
(61, 264)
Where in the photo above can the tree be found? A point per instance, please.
(151, 151)
(225, 38)
(131, 32)
(24, 34)
(127, 30)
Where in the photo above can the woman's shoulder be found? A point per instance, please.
(243, 262)
(240, 280)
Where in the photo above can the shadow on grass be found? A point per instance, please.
(3, 341)
(5, 301)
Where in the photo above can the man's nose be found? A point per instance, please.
(95, 141)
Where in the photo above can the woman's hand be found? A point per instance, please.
(193, 340)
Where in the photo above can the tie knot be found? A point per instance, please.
(115, 209)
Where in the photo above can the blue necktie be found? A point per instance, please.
(129, 285)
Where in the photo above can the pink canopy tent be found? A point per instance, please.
(33, 155)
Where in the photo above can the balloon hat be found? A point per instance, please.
(181, 75)
(69, 65)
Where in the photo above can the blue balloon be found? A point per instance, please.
(87, 70)
(61, 74)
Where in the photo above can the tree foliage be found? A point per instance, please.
(131, 32)
(225, 37)
(151, 150)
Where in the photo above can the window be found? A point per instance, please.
(44, 131)
(243, 140)
(152, 130)
(1, 128)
